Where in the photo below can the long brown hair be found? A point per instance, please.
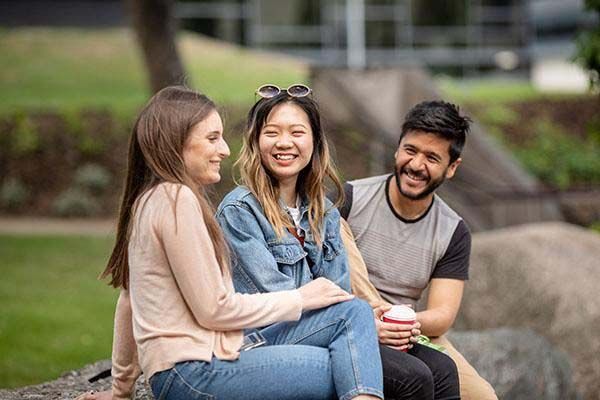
(311, 181)
(155, 156)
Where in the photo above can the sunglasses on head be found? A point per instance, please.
(296, 90)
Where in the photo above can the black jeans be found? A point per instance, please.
(420, 374)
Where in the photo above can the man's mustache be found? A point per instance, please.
(416, 174)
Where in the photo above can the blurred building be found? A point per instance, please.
(526, 38)
(75, 13)
(457, 37)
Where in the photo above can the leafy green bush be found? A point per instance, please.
(25, 138)
(588, 46)
(13, 194)
(75, 202)
(560, 159)
(92, 177)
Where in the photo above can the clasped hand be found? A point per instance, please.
(397, 336)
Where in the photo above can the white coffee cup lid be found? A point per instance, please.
(401, 313)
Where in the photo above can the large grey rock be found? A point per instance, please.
(544, 277)
(70, 385)
(519, 364)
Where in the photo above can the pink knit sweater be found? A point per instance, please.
(179, 305)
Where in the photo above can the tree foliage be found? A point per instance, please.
(588, 46)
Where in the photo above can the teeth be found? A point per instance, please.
(284, 156)
(416, 178)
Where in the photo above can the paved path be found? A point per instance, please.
(31, 225)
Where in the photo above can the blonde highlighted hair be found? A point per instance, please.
(311, 182)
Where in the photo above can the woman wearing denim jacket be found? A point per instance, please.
(178, 319)
(284, 233)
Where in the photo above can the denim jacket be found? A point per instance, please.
(263, 263)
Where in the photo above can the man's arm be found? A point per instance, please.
(447, 284)
(443, 304)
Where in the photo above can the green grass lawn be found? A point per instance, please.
(63, 68)
(487, 91)
(56, 316)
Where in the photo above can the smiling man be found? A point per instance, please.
(410, 239)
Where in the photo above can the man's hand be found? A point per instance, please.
(397, 336)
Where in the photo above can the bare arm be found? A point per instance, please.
(443, 304)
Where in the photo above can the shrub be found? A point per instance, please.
(25, 137)
(560, 159)
(588, 46)
(13, 194)
(92, 177)
(75, 202)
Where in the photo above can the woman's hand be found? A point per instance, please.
(93, 395)
(321, 293)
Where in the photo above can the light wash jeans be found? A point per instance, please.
(329, 353)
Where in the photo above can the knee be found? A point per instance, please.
(421, 375)
(446, 367)
(413, 381)
(356, 310)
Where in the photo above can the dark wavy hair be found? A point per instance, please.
(442, 119)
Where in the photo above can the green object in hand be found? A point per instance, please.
(425, 341)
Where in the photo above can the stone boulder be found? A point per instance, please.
(519, 364)
(72, 384)
(544, 277)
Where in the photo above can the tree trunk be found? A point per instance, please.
(155, 29)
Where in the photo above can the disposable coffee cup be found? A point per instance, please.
(400, 315)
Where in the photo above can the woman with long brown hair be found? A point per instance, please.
(284, 233)
(178, 319)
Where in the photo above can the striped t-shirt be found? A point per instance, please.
(401, 255)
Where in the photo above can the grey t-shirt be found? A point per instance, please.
(401, 255)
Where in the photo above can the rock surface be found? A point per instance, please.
(544, 277)
(518, 363)
(70, 385)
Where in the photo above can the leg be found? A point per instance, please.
(443, 369)
(348, 330)
(472, 386)
(405, 376)
(264, 373)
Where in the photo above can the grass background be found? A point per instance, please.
(49, 68)
(56, 316)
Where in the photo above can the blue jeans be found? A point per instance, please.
(328, 353)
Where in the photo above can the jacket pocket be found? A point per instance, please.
(287, 253)
(332, 248)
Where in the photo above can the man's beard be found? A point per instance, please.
(430, 188)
